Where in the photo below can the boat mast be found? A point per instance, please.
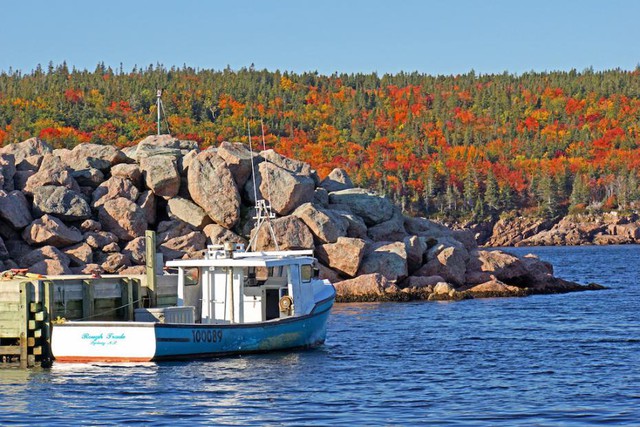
(264, 214)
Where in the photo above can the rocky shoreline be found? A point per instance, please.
(85, 210)
(608, 228)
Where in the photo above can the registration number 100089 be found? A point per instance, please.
(208, 335)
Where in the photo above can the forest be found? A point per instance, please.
(464, 147)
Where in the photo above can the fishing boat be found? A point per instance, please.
(229, 302)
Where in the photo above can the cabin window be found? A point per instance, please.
(306, 272)
(250, 277)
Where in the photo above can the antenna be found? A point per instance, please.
(264, 148)
(160, 107)
(264, 214)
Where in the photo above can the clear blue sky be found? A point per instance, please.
(443, 37)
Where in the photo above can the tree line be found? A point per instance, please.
(459, 147)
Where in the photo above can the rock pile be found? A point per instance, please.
(85, 210)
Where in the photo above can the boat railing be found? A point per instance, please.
(221, 252)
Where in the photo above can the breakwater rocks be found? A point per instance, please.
(85, 210)
(609, 228)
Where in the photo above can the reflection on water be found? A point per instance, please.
(569, 359)
(13, 385)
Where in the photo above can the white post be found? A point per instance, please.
(180, 286)
(230, 289)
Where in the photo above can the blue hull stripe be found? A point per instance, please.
(192, 341)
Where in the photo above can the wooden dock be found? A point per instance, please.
(30, 307)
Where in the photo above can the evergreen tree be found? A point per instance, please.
(547, 197)
(470, 189)
(579, 192)
(491, 195)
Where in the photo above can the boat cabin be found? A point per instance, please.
(233, 286)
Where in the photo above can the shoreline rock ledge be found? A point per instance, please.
(85, 210)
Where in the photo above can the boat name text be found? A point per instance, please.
(103, 339)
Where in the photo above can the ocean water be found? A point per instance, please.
(547, 360)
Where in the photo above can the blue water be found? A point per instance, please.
(553, 360)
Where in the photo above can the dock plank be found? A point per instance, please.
(9, 350)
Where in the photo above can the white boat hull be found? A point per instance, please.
(148, 341)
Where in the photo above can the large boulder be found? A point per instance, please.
(373, 209)
(296, 167)
(356, 227)
(391, 230)
(386, 258)
(282, 188)
(113, 188)
(426, 228)
(147, 202)
(24, 149)
(422, 282)
(79, 254)
(112, 263)
(325, 225)
(161, 145)
(185, 161)
(53, 171)
(337, 180)
(180, 246)
(90, 225)
(21, 177)
(327, 273)
(15, 210)
(321, 197)
(50, 267)
(99, 239)
(538, 271)
(239, 159)
(494, 288)
(447, 259)
(136, 250)
(161, 175)
(49, 230)
(466, 237)
(88, 155)
(212, 187)
(367, 286)
(123, 218)
(187, 211)
(16, 249)
(30, 163)
(45, 252)
(7, 171)
(168, 230)
(504, 266)
(290, 233)
(60, 201)
(128, 171)
(345, 255)
(416, 252)
(90, 177)
(218, 235)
